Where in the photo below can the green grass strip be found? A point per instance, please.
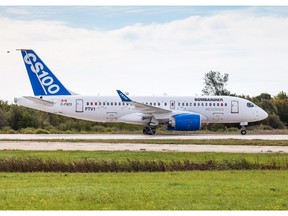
(198, 190)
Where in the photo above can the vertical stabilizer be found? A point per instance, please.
(43, 81)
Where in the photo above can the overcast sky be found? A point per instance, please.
(147, 50)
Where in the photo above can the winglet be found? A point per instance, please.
(123, 97)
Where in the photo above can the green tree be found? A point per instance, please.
(264, 96)
(281, 102)
(215, 83)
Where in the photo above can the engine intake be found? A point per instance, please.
(185, 122)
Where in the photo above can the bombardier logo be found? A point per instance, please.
(44, 78)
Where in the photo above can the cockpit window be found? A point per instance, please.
(250, 105)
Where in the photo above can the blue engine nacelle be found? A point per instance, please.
(185, 122)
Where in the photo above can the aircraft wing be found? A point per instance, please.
(40, 101)
(143, 108)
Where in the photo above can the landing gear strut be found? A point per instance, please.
(149, 130)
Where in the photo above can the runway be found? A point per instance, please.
(31, 142)
(138, 137)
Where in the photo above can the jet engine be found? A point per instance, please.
(185, 122)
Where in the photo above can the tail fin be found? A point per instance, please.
(42, 80)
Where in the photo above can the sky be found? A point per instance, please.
(146, 50)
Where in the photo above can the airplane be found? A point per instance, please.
(177, 113)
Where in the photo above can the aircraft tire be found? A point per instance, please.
(243, 132)
(149, 131)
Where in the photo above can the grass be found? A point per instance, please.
(190, 190)
(212, 190)
(143, 155)
(101, 161)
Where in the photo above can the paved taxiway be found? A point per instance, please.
(29, 142)
(138, 136)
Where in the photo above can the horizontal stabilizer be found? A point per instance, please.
(40, 101)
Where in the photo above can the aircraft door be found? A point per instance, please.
(234, 107)
(172, 104)
(79, 105)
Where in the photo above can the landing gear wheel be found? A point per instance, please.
(243, 132)
(145, 130)
(243, 129)
(149, 130)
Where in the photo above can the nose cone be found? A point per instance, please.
(262, 114)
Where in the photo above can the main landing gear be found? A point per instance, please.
(149, 130)
(243, 130)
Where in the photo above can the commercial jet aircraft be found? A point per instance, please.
(177, 113)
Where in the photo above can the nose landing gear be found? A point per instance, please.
(243, 130)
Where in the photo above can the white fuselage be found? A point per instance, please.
(213, 109)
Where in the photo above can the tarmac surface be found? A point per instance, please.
(30, 142)
(138, 136)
